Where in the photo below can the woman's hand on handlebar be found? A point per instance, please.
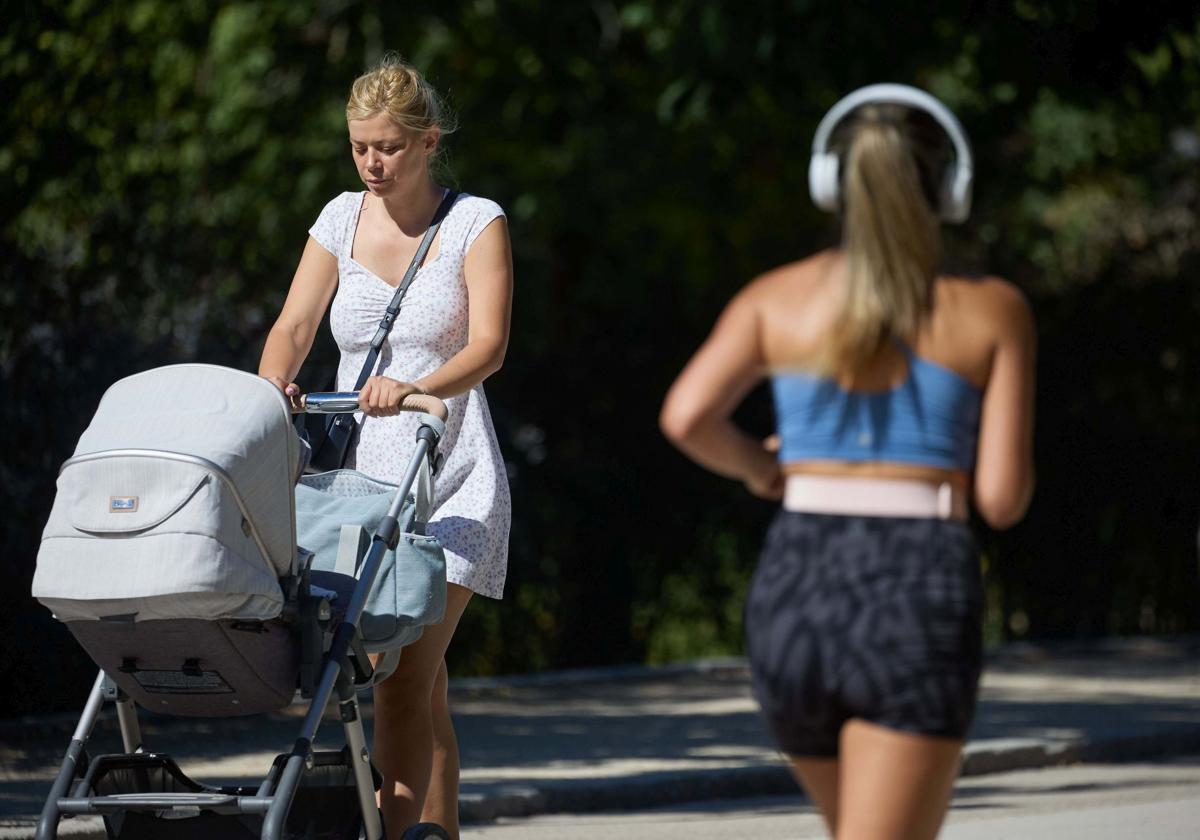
(381, 396)
(290, 390)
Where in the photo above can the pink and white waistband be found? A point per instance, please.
(852, 496)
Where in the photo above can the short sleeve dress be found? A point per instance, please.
(474, 508)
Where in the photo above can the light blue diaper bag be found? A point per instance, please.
(337, 512)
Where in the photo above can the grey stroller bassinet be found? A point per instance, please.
(170, 554)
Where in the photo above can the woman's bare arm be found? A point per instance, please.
(696, 413)
(489, 275)
(1004, 472)
(292, 335)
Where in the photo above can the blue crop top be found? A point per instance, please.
(930, 419)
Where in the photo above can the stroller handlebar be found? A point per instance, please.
(340, 402)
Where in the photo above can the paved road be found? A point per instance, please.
(1084, 802)
(624, 739)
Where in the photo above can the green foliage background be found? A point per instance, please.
(160, 163)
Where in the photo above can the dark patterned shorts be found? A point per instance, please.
(864, 617)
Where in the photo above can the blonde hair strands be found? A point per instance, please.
(396, 88)
(890, 233)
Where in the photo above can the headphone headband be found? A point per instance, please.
(959, 187)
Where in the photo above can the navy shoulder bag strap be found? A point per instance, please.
(330, 451)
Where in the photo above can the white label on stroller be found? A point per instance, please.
(180, 682)
(122, 504)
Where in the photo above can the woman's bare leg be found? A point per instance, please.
(819, 778)
(441, 802)
(893, 785)
(404, 731)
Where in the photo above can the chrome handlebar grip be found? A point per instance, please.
(341, 402)
(332, 402)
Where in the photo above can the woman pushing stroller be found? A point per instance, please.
(450, 334)
(902, 395)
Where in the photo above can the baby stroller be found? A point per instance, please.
(171, 555)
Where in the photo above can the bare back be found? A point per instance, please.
(798, 303)
(980, 329)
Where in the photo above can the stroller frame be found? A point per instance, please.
(344, 668)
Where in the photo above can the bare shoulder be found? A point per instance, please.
(791, 282)
(1002, 296)
(988, 303)
(792, 306)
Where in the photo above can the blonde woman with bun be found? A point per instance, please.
(904, 396)
(451, 334)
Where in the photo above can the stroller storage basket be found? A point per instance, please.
(151, 798)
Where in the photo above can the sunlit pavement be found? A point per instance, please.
(634, 738)
(1083, 802)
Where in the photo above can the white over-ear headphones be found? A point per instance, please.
(954, 201)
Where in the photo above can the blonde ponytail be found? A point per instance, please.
(890, 236)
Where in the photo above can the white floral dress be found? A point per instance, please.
(474, 508)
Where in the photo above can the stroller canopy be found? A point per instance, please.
(236, 420)
(177, 502)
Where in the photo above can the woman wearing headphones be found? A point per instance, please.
(902, 396)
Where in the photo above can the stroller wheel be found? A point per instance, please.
(426, 831)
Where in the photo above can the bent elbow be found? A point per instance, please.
(497, 362)
(499, 350)
(489, 355)
(1000, 518)
(672, 426)
(1004, 508)
(676, 422)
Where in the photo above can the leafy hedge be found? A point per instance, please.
(160, 163)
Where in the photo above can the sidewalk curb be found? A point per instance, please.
(981, 758)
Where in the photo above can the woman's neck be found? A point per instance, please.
(413, 210)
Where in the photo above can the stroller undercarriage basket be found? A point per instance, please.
(171, 557)
(143, 796)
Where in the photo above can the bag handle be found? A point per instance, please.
(393, 308)
(423, 498)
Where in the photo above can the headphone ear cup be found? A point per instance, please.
(956, 196)
(946, 203)
(823, 180)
